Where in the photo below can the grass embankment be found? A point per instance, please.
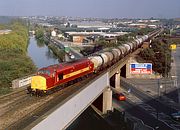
(14, 62)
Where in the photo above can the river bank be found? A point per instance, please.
(14, 61)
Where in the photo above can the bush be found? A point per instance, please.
(159, 55)
(14, 62)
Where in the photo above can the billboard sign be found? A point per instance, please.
(141, 68)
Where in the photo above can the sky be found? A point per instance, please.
(92, 8)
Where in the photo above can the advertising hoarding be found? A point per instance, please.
(141, 68)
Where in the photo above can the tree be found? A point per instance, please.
(159, 55)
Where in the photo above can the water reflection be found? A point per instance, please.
(41, 55)
(40, 44)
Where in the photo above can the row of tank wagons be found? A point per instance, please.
(111, 55)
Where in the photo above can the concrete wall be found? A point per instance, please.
(67, 111)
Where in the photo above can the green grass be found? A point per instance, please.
(4, 90)
(14, 62)
(13, 65)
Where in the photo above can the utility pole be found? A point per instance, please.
(159, 97)
(165, 70)
(157, 114)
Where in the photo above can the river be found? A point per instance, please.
(41, 55)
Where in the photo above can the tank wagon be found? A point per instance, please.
(107, 57)
(50, 77)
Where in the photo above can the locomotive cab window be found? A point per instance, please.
(60, 76)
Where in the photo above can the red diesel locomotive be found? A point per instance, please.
(55, 75)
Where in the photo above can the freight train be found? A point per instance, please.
(55, 76)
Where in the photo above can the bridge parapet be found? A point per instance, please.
(62, 115)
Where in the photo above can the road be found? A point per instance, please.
(145, 104)
(141, 114)
(176, 70)
(152, 112)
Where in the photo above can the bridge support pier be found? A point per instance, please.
(117, 79)
(107, 100)
(128, 74)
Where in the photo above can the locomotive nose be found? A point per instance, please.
(38, 82)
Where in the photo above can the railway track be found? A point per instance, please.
(9, 100)
(12, 95)
(16, 109)
(25, 109)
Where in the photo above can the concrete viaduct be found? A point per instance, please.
(67, 111)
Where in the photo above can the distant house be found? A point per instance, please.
(152, 26)
(60, 36)
(53, 33)
(78, 38)
(139, 25)
(32, 32)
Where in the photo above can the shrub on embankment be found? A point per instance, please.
(14, 62)
(159, 54)
(57, 51)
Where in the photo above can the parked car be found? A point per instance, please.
(119, 96)
(176, 115)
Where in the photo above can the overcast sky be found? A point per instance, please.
(92, 8)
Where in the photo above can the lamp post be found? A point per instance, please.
(157, 114)
(159, 95)
(177, 87)
(166, 75)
